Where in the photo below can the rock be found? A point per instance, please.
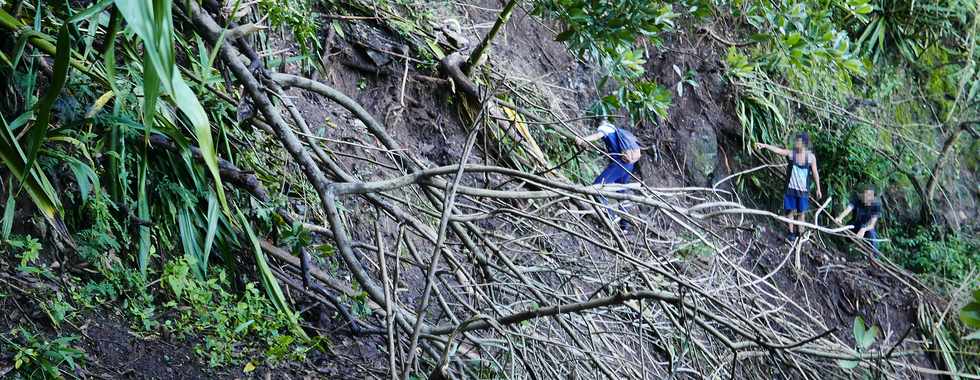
(375, 44)
(701, 153)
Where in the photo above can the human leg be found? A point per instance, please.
(800, 216)
(790, 204)
(625, 177)
(612, 174)
(802, 205)
(873, 236)
(790, 226)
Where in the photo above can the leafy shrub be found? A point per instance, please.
(849, 156)
(38, 358)
(864, 337)
(232, 326)
(928, 250)
(298, 16)
(607, 34)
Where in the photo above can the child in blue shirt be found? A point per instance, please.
(624, 151)
(867, 211)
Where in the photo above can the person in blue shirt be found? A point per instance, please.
(801, 165)
(867, 211)
(624, 152)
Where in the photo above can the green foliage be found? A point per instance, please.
(801, 35)
(58, 309)
(757, 110)
(269, 281)
(299, 17)
(603, 28)
(970, 315)
(864, 338)
(688, 78)
(32, 178)
(849, 154)
(27, 249)
(233, 327)
(153, 22)
(694, 248)
(607, 33)
(873, 120)
(902, 29)
(930, 251)
(35, 357)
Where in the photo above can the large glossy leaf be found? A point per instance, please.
(858, 328)
(970, 314)
(869, 338)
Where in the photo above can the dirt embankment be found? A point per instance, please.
(695, 146)
(692, 147)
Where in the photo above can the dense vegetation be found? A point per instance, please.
(148, 171)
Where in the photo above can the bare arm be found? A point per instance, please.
(774, 149)
(871, 224)
(581, 141)
(847, 211)
(868, 227)
(816, 174)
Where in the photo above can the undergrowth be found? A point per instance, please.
(226, 327)
(37, 357)
(233, 327)
(947, 259)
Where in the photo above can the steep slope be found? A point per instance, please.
(419, 229)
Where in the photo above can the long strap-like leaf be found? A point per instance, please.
(39, 131)
(268, 280)
(33, 181)
(153, 22)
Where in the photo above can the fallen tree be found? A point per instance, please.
(520, 277)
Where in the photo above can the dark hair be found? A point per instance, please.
(805, 137)
(867, 186)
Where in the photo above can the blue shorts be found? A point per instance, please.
(615, 173)
(796, 203)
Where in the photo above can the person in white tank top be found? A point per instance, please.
(801, 166)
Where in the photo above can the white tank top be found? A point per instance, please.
(798, 177)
